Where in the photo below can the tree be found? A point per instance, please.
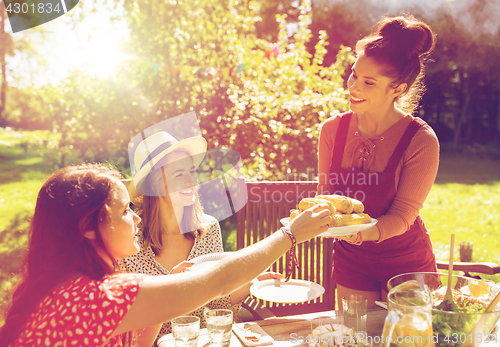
(6, 48)
(463, 80)
(210, 61)
(280, 107)
(11, 48)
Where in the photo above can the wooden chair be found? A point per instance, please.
(468, 268)
(268, 202)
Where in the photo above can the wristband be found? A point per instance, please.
(292, 262)
(359, 239)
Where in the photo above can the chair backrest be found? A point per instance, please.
(268, 202)
(486, 268)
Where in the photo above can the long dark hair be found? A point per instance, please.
(401, 45)
(71, 202)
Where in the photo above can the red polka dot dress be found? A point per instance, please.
(84, 312)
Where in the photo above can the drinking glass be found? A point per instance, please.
(186, 330)
(219, 326)
(355, 309)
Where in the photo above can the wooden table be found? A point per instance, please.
(293, 330)
(168, 340)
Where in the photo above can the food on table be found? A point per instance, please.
(252, 336)
(306, 203)
(446, 325)
(478, 288)
(329, 335)
(339, 207)
(459, 298)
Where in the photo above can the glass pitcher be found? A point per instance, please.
(409, 318)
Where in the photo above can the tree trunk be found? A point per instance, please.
(461, 119)
(3, 52)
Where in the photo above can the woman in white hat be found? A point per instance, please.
(174, 227)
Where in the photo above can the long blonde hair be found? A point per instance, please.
(149, 210)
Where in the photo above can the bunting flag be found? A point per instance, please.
(174, 70)
(224, 72)
(156, 67)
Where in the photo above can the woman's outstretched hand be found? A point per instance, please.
(311, 222)
(269, 276)
(181, 267)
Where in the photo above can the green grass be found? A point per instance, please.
(26, 161)
(465, 200)
(469, 211)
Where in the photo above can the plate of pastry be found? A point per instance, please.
(347, 214)
(339, 231)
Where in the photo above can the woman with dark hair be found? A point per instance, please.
(174, 228)
(70, 293)
(382, 155)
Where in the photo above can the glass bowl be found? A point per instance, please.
(453, 329)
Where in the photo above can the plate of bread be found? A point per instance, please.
(347, 214)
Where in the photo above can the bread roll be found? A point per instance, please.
(293, 214)
(357, 206)
(342, 204)
(306, 203)
(342, 220)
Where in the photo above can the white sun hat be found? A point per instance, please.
(154, 148)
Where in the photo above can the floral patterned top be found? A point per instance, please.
(84, 312)
(145, 262)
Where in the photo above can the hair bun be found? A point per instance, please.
(408, 34)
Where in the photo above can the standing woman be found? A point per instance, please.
(380, 154)
(174, 228)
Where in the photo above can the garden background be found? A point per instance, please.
(261, 77)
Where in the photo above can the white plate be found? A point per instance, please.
(207, 261)
(339, 231)
(291, 292)
(241, 329)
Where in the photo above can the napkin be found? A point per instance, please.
(248, 333)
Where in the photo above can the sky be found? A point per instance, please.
(67, 43)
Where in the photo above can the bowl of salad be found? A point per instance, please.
(452, 325)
